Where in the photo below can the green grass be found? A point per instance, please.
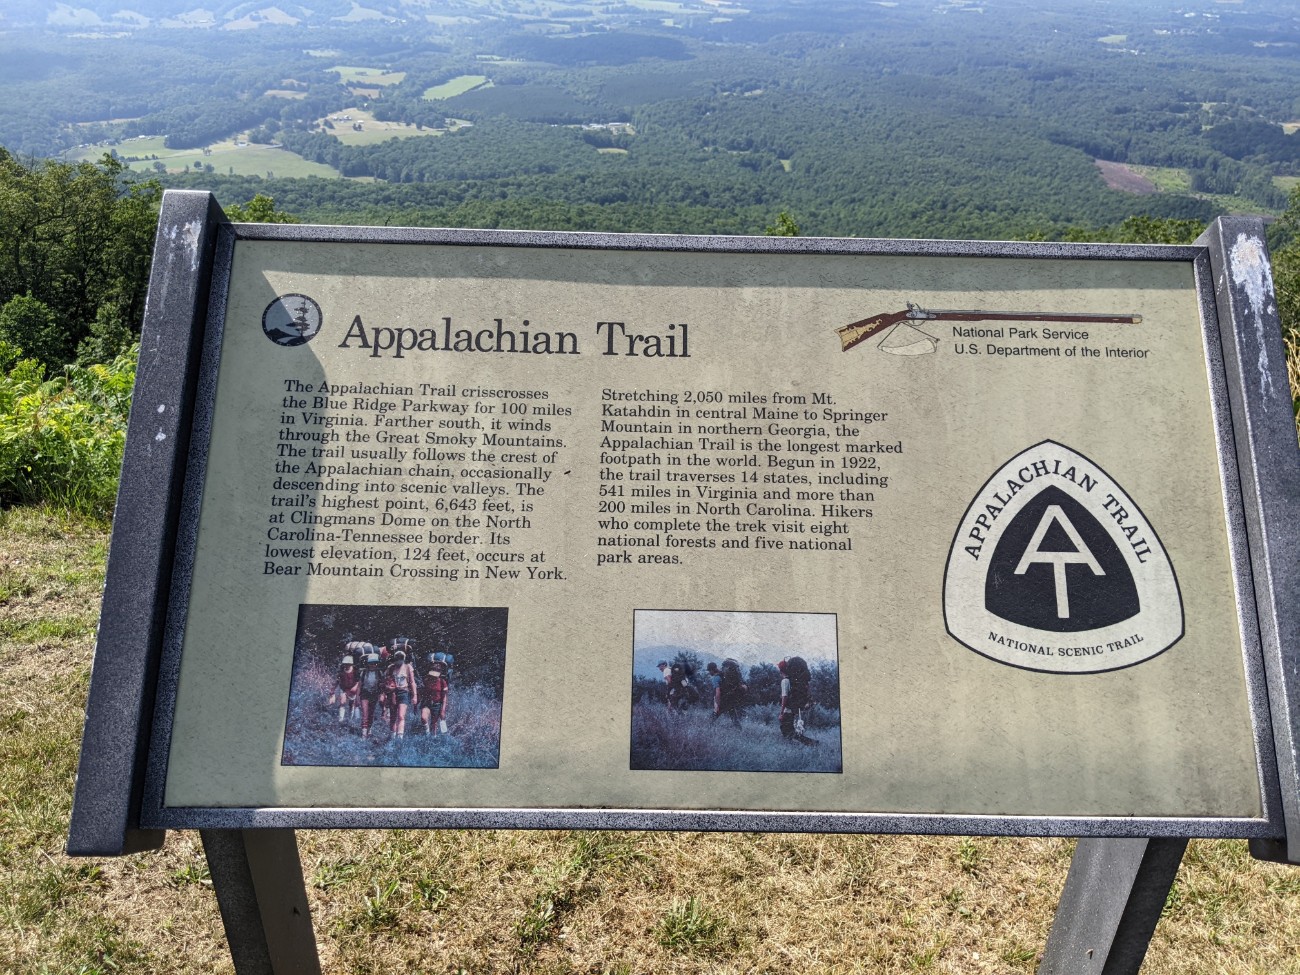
(369, 77)
(1166, 179)
(1173, 180)
(225, 157)
(1287, 183)
(373, 131)
(689, 926)
(457, 86)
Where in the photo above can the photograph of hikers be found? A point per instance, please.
(396, 685)
(735, 692)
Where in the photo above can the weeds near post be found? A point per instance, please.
(690, 926)
(380, 909)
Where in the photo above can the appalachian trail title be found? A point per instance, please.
(612, 338)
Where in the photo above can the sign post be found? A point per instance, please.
(598, 531)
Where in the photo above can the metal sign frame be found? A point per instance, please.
(119, 805)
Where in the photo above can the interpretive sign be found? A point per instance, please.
(512, 529)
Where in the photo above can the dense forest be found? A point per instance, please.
(960, 118)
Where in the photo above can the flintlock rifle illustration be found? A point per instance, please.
(908, 339)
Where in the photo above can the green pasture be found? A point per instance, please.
(1287, 183)
(351, 74)
(457, 86)
(226, 157)
(1166, 179)
(372, 130)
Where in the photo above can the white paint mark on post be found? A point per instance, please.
(191, 231)
(1252, 274)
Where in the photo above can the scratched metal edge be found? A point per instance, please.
(1239, 548)
(188, 524)
(158, 815)
(710, 820)
(320, 233)
(1268, 458)
(119, 708)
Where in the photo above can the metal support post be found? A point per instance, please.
(1113, 896)
(258, 880)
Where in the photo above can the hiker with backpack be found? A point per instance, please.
(399, 683)
(436, 688)
(728, 690)
(681, 693)
(370, 689)
(795, 698)
(346, 686)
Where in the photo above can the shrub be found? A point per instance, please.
(61, 439)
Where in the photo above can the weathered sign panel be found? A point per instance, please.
(986, 496)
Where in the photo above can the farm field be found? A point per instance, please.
(226, 157)
(370, 77)
(457, 86)
(372, 130)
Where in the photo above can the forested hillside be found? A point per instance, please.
(960, 118)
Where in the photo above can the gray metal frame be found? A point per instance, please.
(1261, 516)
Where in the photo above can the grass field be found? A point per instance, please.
(549, 903)
(225, 157)
(372, 131)
(1166, 179)
(367, 76)
(1171, 180)
(457, 86)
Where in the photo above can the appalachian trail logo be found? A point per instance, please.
(291, 319)
(1055, 568)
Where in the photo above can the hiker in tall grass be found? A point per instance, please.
(372, 689)
(681, 692)
(346, 687)
(402, 692)
(436, 688)
(728, 690)
(795, 680)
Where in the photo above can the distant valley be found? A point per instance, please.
(960, 118)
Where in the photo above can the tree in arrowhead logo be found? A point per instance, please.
(1055, 568)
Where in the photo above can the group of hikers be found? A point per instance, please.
(726, 690)
(380, 680)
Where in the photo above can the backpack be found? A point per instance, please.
(732, 687)
(677, 676)
(796, 670)
(370, 678)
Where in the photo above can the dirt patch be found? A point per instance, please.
(1120, 177)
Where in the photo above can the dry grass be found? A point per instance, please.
(546, 902)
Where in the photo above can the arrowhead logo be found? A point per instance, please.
(1055, 568)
